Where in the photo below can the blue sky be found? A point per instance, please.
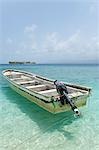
(49, 32)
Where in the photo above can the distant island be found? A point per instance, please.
(21, 62)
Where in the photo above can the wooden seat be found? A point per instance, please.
(51, 92)
(35, 86)
(15, 79)
(25, 82)
(21, 78)
(75, 94)
(47, 91)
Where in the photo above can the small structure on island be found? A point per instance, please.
(21, 62)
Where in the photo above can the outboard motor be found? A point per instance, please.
(73, 107)
(62, 90)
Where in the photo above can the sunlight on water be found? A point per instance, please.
(25, 126)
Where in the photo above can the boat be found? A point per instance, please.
(42, 91)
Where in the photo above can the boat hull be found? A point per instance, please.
(51, 106)
(54, 107)
(46, 106)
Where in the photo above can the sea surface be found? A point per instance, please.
(25, 126)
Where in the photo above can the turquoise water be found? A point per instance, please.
(25, 126)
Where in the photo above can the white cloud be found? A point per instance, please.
(9, 41)
(51, 41)
(30, 29)
(76, 47)
(54, 48)
(28, 44)
(54, 43)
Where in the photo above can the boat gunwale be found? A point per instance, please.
(86, 90)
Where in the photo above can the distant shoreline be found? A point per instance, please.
(21, 62)
(49, 64)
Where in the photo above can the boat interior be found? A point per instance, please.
(34, 83)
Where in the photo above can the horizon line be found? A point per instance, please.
(53, 64)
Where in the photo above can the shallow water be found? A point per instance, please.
(25, 126)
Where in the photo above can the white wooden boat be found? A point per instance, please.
(41, 90)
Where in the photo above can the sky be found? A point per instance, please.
(62, 31)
